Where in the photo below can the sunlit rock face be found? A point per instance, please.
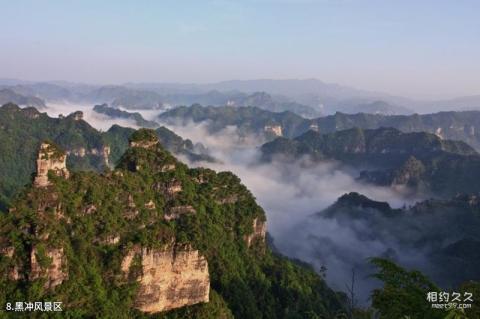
(50, 158)
(170, 278)
(275, 130)
(54, 272)
(259, 231)
(103, 152)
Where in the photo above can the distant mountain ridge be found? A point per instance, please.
(116, 113)
(22, 131)
(11, 96)
(431, 228)
(463, 125)
(248, 120)
(420, 161)
(150, 238)
(327, 98)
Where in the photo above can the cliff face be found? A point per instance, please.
(127, 241)
(275, 130)
(259, 232)
(171, 278)
(103, 152)
(52, 268)
(50, 158)
(144, 139)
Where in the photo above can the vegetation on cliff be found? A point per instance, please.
(116, 113)
(389, 157)
(23, 130)
(463, 126)
(404, 294)
(444, 235)
(88, 223)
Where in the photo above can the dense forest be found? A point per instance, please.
(22, 131)
(77, 218)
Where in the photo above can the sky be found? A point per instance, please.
(415, 48)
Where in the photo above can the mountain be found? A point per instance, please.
(375, 107)
(448, 125)
(10, 96)
(314, 93)
(119, 114)
(127, 98)
(135, 99)
(327, 98)
(47, 91)
(130, 97)
(463, 126)
(287, 87)
(444, 234)
(22, 131)
(153, 237)
(265, 101)
(386, 156)
(463, 102)
(249, 120)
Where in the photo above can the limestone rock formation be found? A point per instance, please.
(53, 272)
(177, 211)
(273, 129)
(103, 152)
(77, 116)
(313, 127)
(172, 187)
(14, 271)
(410, 173)
(144, 144)
(171, 278)
(50, 158)
(259, 232)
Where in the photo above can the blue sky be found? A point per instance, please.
(416, 48)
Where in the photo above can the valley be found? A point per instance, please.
(294, 178)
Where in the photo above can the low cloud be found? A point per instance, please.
(291, 193)
(99, 121)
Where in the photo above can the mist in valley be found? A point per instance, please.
(291, 194)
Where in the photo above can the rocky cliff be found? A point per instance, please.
(419, 161)
(151, 236)
(50, 158)
(51, 266)
(259, 232)
(170, 278)
(22, 130)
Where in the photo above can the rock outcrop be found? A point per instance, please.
(273, 129)
(171, 278)
(144, 144)
(53, 271)
(144, 138)
(14, 271)
(410, 173)
(103, 152)
(77, 116)
(50, 158)
(259, 232)
(177, 211)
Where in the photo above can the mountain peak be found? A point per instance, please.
(144, 138)
(354, 199)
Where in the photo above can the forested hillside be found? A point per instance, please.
(22, 131)
(388, 157)
(97, 241)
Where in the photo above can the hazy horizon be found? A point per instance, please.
(419, 50)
